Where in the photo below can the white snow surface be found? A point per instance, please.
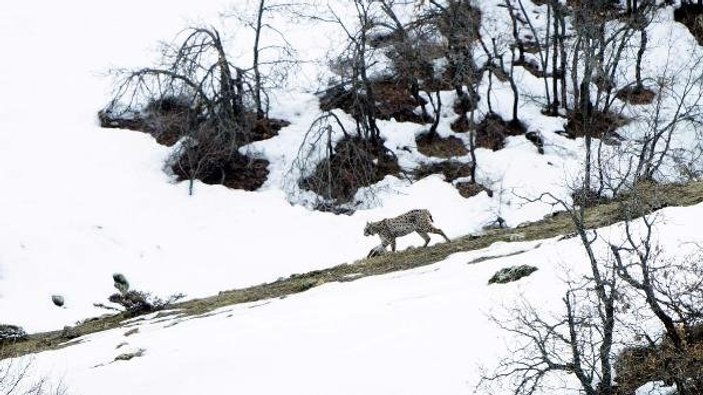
(79, 203)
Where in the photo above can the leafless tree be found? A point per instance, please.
(15, 379)
(354, 64)
(671, 292)
(579, 341)
(219, 105)
(274, 58)
(677, 107)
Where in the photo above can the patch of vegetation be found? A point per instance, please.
(468, 189)
(135, 302)
(431, 144)
(393, 100)
(353, 164)
(639, 365)
(596, 124)
(493, 130)
(691, 15)
(451, 169)
(636, 94)
(11, 333)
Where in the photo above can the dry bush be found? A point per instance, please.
(197, 97)
(353, 163)
(638, 365)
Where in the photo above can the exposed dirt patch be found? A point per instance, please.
(393, 100)
(167, 129)
(598, 124)
(468, 189)
(531, 66)
(431, 144)
(636, 95)
(461, 124)
(168, 120)
(638, 365)
(691, 15)
(451, 169)
(355, 163)
(493, 130)
(265, 128)
(239, 172)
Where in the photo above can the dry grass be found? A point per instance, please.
(651, 196)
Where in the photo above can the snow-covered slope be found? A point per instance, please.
(79, 203)
(420, 331)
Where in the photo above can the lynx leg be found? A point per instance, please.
(424, 236)
(393, 245)
(376, 251)
(438, 231)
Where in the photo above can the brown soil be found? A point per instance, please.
(599, 124)
(431, 144)
(468, 189)
(636, 95)
(691, 15)
(393, 100)
(493, 130)
(355, 163)
(451, 169)
(240, 172)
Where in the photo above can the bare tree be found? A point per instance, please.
(671, 292)
(15, 379)
(273, 56)
(578, 342)
(219, 109)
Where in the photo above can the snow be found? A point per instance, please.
(79, 203)
(412, 332)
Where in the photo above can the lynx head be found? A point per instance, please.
(370, 229)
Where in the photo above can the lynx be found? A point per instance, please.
(389, 229)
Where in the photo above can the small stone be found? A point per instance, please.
(57, 300)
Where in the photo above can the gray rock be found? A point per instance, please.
(58, 300)
(510, 274)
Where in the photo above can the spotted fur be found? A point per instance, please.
(389, 229)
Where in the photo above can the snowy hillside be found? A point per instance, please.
(416, 332)
(80, 202)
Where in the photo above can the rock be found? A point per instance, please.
(58, 300)
(510, 274)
